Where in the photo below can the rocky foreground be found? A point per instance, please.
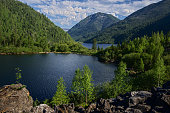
(16, 99)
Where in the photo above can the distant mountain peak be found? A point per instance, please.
(92, 24)
(152, 18)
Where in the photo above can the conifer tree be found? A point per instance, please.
(98, 48)
(60, 96)
(82, 84)
(18, 75)
(86, 83)
(94, 44)
(121, 83)
(141, 68)
(159, 71)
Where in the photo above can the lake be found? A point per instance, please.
(89, 45)
(40, 72)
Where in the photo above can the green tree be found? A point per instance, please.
(46, 101)
(36, 102)
(141, 66)
(94, 44)
(121, 82)
(60, 96)
(102, 48)
(98, 49)
(77, 87)
(18, 75)
(106, 56)
(82, 84)
(159, 71)
(86, 83)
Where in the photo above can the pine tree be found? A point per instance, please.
(86, 83)
(106, 56)
(98, 48)
(102, 48)
(18, 74)
(141, 68)
(82, 84)
(60, 96)
(159, 71)
(36, 102)
(94, 44)
(121, 83)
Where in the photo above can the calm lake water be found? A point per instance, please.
(89, 45)
(40, 72)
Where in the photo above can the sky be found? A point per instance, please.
(67, 13)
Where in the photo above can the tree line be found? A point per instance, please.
(142, 64)
(147, 59)
(22, 29)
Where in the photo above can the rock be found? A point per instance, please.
(143, 108)
(131, 110)
(133, 101)
(166, 99)
(139, 97)
(119, 98)
(15, 98)
(103, 105)
(145, 94)
(158, 109)
(43, 108)
(65, 108)
(119, 108)
(80, 109)
(91, 108)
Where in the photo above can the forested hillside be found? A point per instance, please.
(143, 63)
(147, 59)
(23, 28)
(87, 27)
(145, 21)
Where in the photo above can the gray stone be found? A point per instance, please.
(133, 101)
(65, 108)
(166, 99)
(43, 108)
(132, 110)
(15, 98)
(145, 94)
(143, 108)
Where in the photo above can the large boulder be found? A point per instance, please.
(15, 99)
(43, 108)
(65, 108)
(139, 97)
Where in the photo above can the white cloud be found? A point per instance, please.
(65, 13)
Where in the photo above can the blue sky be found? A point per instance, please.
(66, 13)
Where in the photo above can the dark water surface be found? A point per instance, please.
(89, 45)
(40, 72)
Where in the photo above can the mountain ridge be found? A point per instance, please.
(133, 25)
(90, 25)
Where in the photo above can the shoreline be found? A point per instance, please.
(31, 53)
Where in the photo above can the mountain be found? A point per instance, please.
(22, 26)
(152, 18)
(90, 25)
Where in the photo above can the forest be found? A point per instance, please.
(23, 30)
(143, 63)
